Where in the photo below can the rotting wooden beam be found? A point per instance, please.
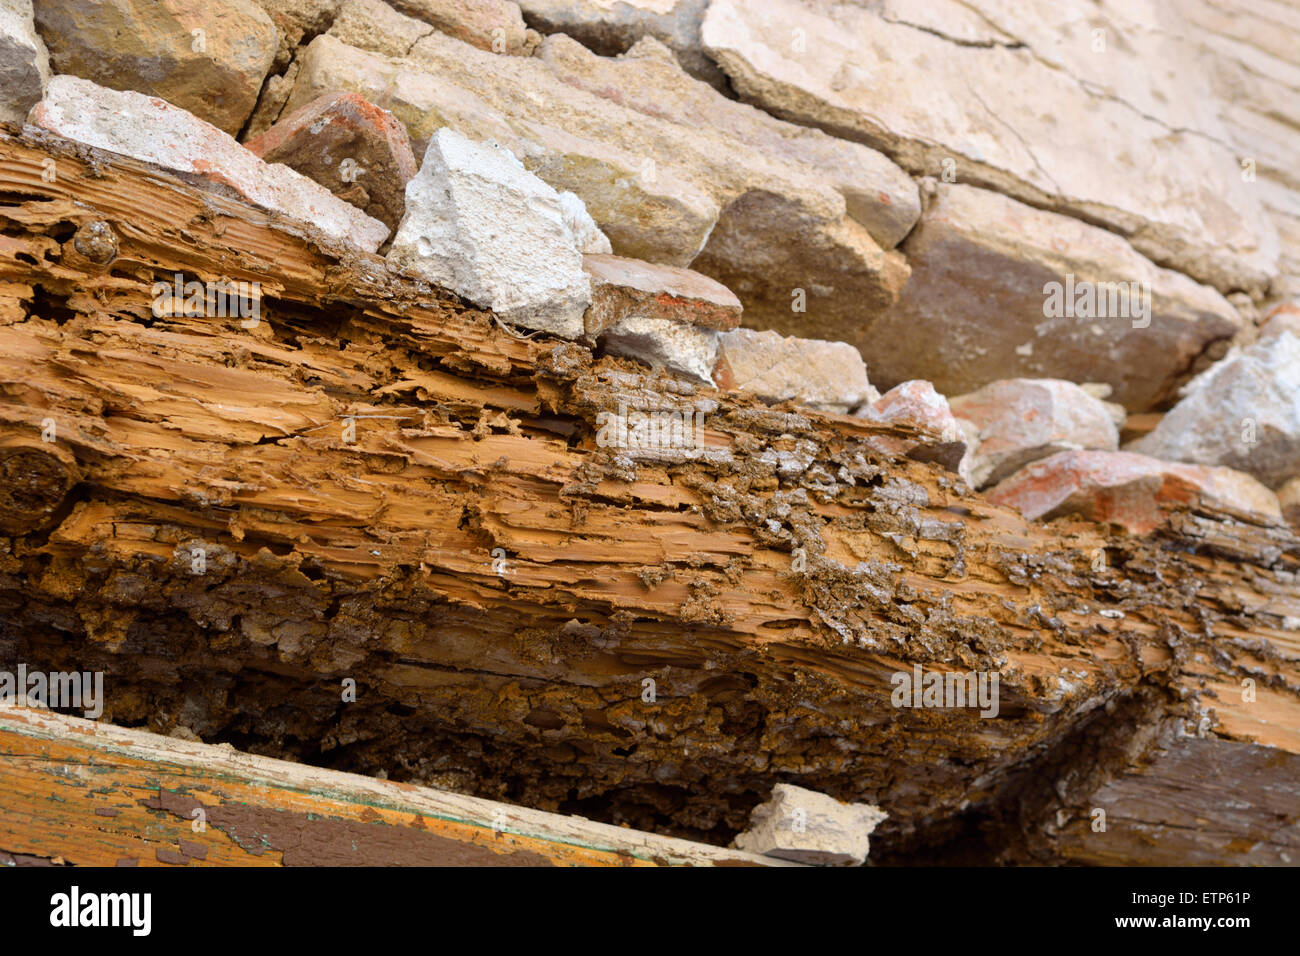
(386, 487)
(1207, 801)
(80, 792)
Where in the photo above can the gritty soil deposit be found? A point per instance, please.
(600, 410)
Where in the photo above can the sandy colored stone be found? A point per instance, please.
(1288, 496)
(354, 149)
(799, 275)
(270, 103)
(494, 25)
(609, 27)
(1021, 420)
(993, 113)
(298, 19)
(662, 216)
(480, 224)
(375, 25)
(208, 58)
(827, 375)
(24, 61)
(809, 827)
(878, 194)
(976, 309)
(622, 287)
(1133, 491)
(1243, 412)
(157, 132)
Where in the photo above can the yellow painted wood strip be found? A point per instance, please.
(80, 792)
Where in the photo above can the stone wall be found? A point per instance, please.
(966, 193)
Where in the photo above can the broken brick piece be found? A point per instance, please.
(917, 405)
(623, 288)
(1129, 490)
(356, 150)
(1023, 419)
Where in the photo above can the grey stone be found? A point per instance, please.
(24, 62)
(1243, 413)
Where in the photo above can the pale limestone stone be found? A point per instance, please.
(810, 827)
(685, 350)
(481, 225)
(1047, 121)
(374, 25)
(586, 234)
(1248, 55)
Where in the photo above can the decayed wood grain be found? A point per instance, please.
(82, 793)
(1214, 802)
(769, 586)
